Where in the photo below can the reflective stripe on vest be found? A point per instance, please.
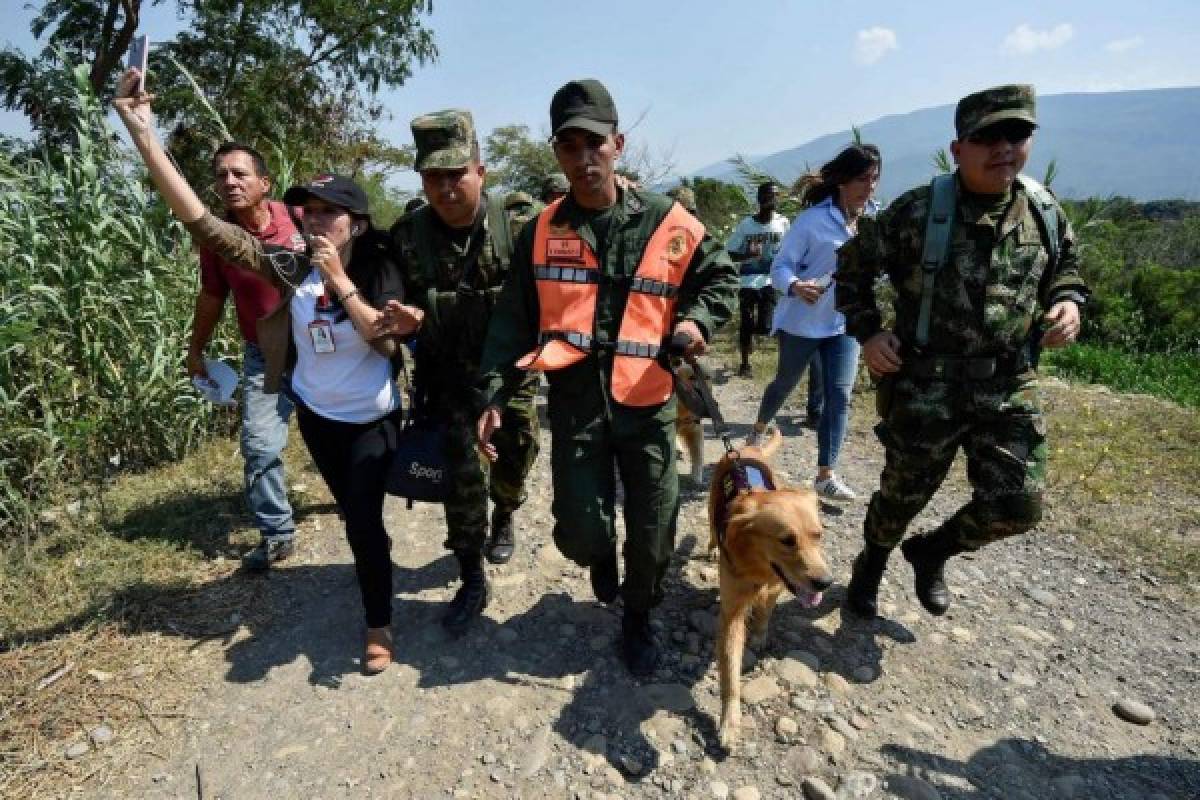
(566, 274)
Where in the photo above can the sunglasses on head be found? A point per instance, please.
(1011, 131)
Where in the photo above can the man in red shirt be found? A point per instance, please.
(242, 183)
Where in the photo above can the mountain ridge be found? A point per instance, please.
(1145, 148)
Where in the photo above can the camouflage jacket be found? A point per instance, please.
(991, 290)
(456, 286)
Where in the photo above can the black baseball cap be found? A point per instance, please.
(336, 190)
(584, 104)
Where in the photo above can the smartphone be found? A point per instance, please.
(139, 50)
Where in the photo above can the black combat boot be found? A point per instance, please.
(928, 555)
(862, 593)
(637, 643)
(502, 542)
(472, 596)
(606, 582)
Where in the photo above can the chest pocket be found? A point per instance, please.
(1014, 275)
(630, 247)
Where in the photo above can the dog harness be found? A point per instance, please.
(746, 476)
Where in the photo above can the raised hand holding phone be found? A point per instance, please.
(139, 52)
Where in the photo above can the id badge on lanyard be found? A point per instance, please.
(321, 333)
(321, 330)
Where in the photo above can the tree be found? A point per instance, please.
(516, 161)
(720, 204)
(300, 72)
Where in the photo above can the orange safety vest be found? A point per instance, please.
(567, 276)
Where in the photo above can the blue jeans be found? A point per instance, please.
(264, 435)
(838, 356)
(816, 389)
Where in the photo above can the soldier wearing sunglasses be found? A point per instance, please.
(980, 259)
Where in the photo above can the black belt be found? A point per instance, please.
(587, 344)
(965, 368)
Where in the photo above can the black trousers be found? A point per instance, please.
(353, 458)
(757, 307)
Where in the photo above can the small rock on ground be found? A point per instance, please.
(1134, 711)
(816, 789)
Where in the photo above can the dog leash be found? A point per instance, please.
(708, 403)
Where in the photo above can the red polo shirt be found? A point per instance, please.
(253, 296)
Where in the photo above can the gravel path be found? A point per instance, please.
(1010, 696)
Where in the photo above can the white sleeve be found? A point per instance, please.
(792, 252)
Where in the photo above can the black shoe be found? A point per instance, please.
(606, 582)
(928, 555)
(502, 542)
(862, 593)
(471, 598)
(269, 550)
(637, 643)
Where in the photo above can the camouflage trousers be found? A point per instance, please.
(517, 446)
(998, 424)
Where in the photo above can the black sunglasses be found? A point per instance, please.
(1013, 132)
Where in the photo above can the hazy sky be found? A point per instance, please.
(716, 78)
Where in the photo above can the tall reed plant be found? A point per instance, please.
(96, 291)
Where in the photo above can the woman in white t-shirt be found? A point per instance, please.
(806, 320)
(327, 336)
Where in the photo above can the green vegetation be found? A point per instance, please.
(299, 74)
(1174, 375)
(95, 303)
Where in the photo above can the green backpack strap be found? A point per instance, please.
(943, 199)
(499, 230)
(1045, 208)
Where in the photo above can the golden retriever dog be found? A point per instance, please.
(690, 430)
(771, 540)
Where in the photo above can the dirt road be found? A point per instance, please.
(1009, 696)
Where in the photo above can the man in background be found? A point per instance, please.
(241, 182)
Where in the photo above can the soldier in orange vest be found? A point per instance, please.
(598, 283)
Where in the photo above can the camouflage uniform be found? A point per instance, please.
(997, 280)
(686, 198)
(450, 342)
(520, 208)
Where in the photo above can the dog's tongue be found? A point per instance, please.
(810, 599)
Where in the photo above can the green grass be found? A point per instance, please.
(1171, 376)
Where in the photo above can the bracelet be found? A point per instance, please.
(347, 296)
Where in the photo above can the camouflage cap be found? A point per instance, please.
(513, 199)
(444, 139)
(977, 111)
(685, 197)
(556, 182)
